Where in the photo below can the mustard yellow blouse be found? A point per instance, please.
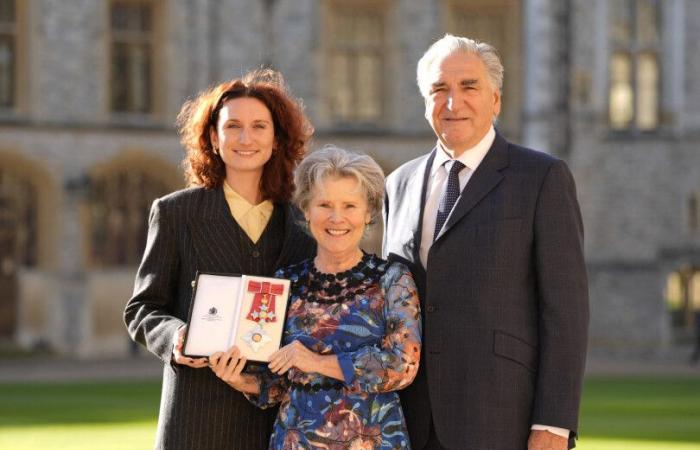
(252, 218)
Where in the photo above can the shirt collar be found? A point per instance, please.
(471, 157)
(240, 202)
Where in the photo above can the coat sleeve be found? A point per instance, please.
(392, 365)
(385, 221)
(273, 388)
(148, 314)
(562, 301)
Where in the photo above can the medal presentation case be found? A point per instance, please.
(244, 310)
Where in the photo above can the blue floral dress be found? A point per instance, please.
(369, 316)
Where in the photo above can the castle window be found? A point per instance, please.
(132, 47)
(694, 213)
(8, 53)
(355, 62)
(634, 74)
(683, 301)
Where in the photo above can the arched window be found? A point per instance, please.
(119, 204)
(18, 219)
(18, 242)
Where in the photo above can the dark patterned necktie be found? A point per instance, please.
(449, 197)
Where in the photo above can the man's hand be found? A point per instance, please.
(293, 355)
(179, 358)
(544, 440)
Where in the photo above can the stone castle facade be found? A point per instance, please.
(89, 92)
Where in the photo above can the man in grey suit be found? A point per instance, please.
(493, 234)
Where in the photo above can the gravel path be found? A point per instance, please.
(45, 369)
(61, 369)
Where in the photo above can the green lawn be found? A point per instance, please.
(640, 414)
(617, 414)
(103, 416)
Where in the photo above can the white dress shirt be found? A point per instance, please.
(436, 185)
(471, 158)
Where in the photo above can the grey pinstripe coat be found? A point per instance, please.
(504, 298)
(193, 230)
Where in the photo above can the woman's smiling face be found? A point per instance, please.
(337, 215)
(244, 135)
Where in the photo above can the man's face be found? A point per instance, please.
(461, 103)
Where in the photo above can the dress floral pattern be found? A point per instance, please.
(369, 316)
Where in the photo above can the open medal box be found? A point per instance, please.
(244, 310)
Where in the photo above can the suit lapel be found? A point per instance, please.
(487, 176)
(416, 188)
(214, 237)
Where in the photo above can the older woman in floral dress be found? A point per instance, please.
(352, 335)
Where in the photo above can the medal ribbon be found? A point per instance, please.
(265, 293)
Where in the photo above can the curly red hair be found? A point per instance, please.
(293, 132)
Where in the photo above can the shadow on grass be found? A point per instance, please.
(650, 409)
(78, 403)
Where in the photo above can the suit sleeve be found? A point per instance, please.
(148, 316)
(385, 220)
(392, 365)
(562, 303)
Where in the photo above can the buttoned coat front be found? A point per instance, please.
(190, 231)
(504, 300)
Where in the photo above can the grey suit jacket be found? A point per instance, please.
(504, 300)
(190, 231)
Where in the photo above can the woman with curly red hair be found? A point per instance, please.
(243, 140)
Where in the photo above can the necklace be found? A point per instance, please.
(342, 286)
(323, 267)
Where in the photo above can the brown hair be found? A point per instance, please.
(293, 132)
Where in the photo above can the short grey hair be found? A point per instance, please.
(450, 44)
(332, 161)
